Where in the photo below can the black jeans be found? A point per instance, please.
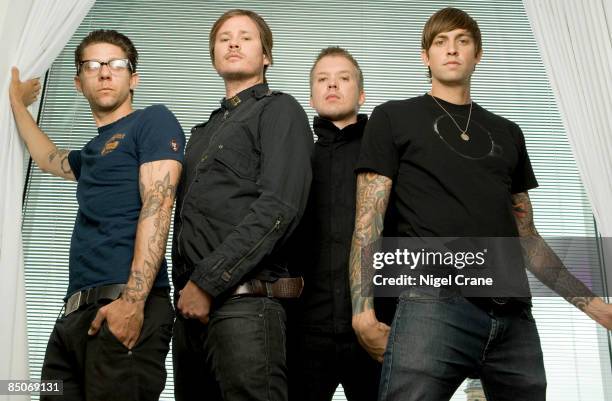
(318, 362)
(101, 368)
(238, 356)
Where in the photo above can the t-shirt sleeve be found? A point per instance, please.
(74, 159)
(160, 136)
(523, 178)
(378, 150)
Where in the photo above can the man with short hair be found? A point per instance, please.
(113, 338)
(323, 350)
(453, 169)
(245, 185)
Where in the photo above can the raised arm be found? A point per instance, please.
(44, 152)
(158, 182)
(373, 191)
(548, 268)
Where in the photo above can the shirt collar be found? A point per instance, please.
(256, 91)
(326, 131)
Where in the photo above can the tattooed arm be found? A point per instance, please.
(548, 268)
(158, 182)
(373, 192)
(44, 152)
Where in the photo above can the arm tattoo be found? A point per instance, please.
(373, 193)
(62, 157)
(541, 259)
(155, 214)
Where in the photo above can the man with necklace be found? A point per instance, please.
(453, 169)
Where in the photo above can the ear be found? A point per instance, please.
(134, 80)
(479, 56)
(425, 57)
(266, 60)
(362, 97)
(311, 105)
(77, 84)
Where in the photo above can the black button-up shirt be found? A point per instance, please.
(327, 228)
(244, 188)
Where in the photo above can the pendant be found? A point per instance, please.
(465, 136)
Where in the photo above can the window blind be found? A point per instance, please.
(384, 36)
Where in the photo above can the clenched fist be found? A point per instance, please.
(23, 93)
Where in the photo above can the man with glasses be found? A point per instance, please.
(113, 338)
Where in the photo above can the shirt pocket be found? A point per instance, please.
(238, 161)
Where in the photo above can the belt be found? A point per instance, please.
(282, 288)
(499, 305)
(91, 295)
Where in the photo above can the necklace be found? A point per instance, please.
(464, 135)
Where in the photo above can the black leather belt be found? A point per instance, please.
(91, 295)
(282, 288)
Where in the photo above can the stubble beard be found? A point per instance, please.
(108, 105)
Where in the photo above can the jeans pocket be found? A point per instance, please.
(109, 337)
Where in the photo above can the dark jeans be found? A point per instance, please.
(101, 368)
(238, 356)
(318, 362)
(438, 341)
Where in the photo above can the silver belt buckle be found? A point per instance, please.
(73, 303)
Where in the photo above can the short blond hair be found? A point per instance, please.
(337, 51)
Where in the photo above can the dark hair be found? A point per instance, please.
(265, 34)
(448, 19)
(338, 51)
(107, 36)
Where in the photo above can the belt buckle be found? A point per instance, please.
(73, 303)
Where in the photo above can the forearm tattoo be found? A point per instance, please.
(373, 193)
(156, 215)
(541, 259)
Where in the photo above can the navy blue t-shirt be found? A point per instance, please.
(107, 171)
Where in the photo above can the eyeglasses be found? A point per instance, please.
(93, 67)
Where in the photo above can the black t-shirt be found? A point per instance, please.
(444, 186)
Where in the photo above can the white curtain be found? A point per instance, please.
(32, 34)
(575, 41)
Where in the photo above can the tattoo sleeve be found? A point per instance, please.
(158, 182)
(373, 193)
(541, 259)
